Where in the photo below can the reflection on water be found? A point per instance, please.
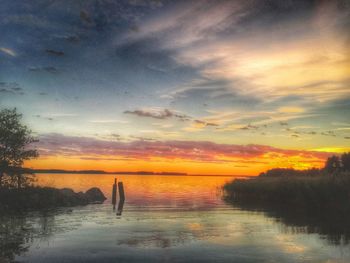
(163, 219)
(120, 207)
(18, 232)
(331, 224)
(14, 231)
(184, 192)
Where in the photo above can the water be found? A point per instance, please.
(164, 219)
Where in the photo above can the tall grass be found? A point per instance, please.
(314, 192)
(318, 204)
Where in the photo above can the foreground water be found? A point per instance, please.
(164, 219)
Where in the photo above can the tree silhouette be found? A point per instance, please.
(15, 139)
(333, 164)
(345, 160)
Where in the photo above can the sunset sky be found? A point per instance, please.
(202, 87)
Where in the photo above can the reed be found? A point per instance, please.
(315, 193)
(319, 204)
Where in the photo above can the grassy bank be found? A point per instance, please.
(314, 193)
(318, 204)
(38, 198)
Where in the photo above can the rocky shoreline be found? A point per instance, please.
(37, 198)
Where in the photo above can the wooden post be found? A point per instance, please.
(121, 191)
(114, 193)
(120, 207)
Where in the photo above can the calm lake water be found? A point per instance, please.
(164, 219)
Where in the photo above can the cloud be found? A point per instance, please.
(43, 117)
(11, 85)
(162, 114)
(61, 115)
(159, 114)
(85, 17)
(8, 51)
(221, 40)
(288, 109)
(133, 137)
(253, 119)
(218, 91)
(54, 52)
(249, 62)
(27, 20)
(69, 38)
(104, 159)
(203, 151)
(55, 116)
(108, 121)
(329, 133)
(150, 3)
(11, 88)
(190, 22)
(198, 125)
(163, 125)
(249, 127)
(6, 91)
(204, 123)
(49, 69)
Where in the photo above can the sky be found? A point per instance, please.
(202, 87)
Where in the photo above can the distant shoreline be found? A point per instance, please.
(61, 171)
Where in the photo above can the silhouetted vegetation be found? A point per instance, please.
(16, 189)
(338, 164)
(335, 165)
(316, 199)
(15, 139)
(345, 161)
(308, 205)
(283, 172)
(43, 198)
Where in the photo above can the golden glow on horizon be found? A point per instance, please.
(228, 166)
(136, 186)
(333, 149)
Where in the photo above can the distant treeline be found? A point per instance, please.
(334, 165)
(60, 171)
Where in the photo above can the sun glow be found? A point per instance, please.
(222, 166)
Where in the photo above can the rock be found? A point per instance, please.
(81, 195)
(95, 195)
(67, 197)
(67, 192)
(37, 198)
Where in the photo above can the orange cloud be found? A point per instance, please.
(71, 152)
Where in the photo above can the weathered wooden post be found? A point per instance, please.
(121, 191)
(114, 193)
(120, 207)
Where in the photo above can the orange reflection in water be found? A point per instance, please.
(147, 190)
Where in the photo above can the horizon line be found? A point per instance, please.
(89, 171)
